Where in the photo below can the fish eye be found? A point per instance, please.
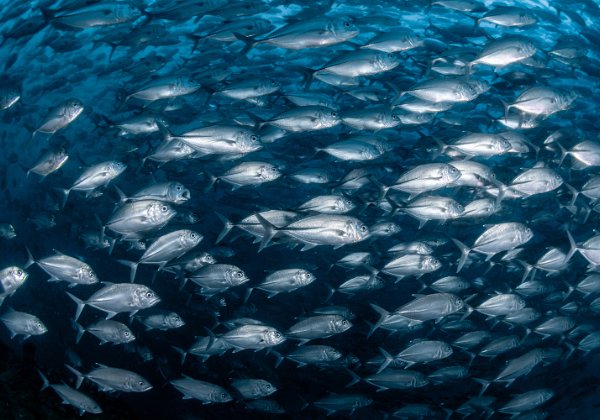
(363, 228)
(141, 383)
(253, 138)
(126, 333)
(277, 335)
(347, 24)
(74, 104)
(178, 188)
(164, 208)
(223, 395)
(239, 274)
(149, 295)
(268, 386)
(344, 322)
(334, 114)
(19, 272)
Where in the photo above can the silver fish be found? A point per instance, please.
(111, 379)
(165, 248)
(116, 298)
(60, 116)
(22, 323)
(205, 392)
(71, 396)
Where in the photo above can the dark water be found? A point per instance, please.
(48, 59)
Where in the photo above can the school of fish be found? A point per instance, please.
(262, 208)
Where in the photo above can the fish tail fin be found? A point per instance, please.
(571, 350)
(279, 358)
(212, 180)
(355, 378)
(398, 93)
(270, 231)
(247, 294)
(47, 14)
(563, 153)
(383, 314)
(164, 131)
(65, 195)
(46, 384)
(182, 352)
(258, 121)
(502, 190)
(309, 77)
(527, 268)
(574, 192)
(80, 331)
(307, 73)
(573, 246)
(330, 291)
(388, 359)
(442, 146)
(122, 196)
(248, 40)
(195, 39)
(78, 374)
(464, 254)
(101, 226)
(507, 107)
(210, 92)
(227, 226)
(112, 242)
(133, 266)
(80, 305)
(570, 289)
(30, 259)
(484, 384)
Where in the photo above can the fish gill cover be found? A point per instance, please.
(300, 209)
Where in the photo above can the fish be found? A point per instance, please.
(49, 162)
(61, 267)
(22, 323)
(108, 331)
(94, 177)
(92, 16)
(118, 297)
(320, 326)
(166, 248)
(285, 281)
(316, 33)
(11, 278)
(203, 391)
(7, 231)
(110, 379)
(60, 117)
(307, 208)
(71, 396)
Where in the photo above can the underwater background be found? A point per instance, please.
(255, 209)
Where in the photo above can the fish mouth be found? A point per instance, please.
(185, 195)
